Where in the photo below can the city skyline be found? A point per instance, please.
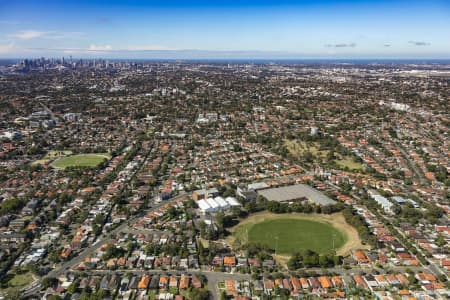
(224, 29)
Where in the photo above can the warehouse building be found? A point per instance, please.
(213, 205)
(294, 193)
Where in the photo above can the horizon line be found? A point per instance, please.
(231, 58)
(201, 54)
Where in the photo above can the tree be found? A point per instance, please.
(435, 212)
(440, 240)
(202, 227)
(251, 206)
(337, 260)
(202, 279)
(396, 209)
(323, 261)
(131, 245)
(73, 287)
(221, 222)
(49, 282)
(13, 294)
(198, 294)
(99, 219)
(11, 206)
(412, 279)
(54, 256)
(112, 251)
(294, 262)
(171, 212)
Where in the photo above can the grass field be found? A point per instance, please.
(81, 160)
(20, 280)
(288, 236)
(17, 282)
(298, 231)
(349, 163)
(298, 148)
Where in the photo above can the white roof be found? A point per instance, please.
(385, 203)
(232, 201)
(221, 201)
(212, 203)
(398, 199)
(203, 205)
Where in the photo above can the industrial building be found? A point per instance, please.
(296, 192)
(213, 205)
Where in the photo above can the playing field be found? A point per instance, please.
(287, 236)
(80, 160)
(289, 233)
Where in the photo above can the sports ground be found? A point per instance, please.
(290, 233)
(80, 160)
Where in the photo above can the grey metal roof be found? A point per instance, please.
(292, 192)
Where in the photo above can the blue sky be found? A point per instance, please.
(236, 29)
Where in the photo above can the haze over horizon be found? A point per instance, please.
(225, 29)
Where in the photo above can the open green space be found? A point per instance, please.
(349, 163)
(16, 282)
(288, 236)
(20, 280)
(81, 160)
(299, 148)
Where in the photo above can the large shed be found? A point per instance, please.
(296, 192)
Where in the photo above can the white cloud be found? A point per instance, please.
(148, 48)
(70, 51)
(64, 35)
(29, 34)
(341, 45)
(419, 43)
(94, 47)
(33, 34)
(100, 48)
(7, 48)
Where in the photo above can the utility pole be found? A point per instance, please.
(333, 242)
(276, 245)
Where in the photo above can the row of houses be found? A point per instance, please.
(143, 262)
(231, 261)
(163, 286)
(381, 282)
